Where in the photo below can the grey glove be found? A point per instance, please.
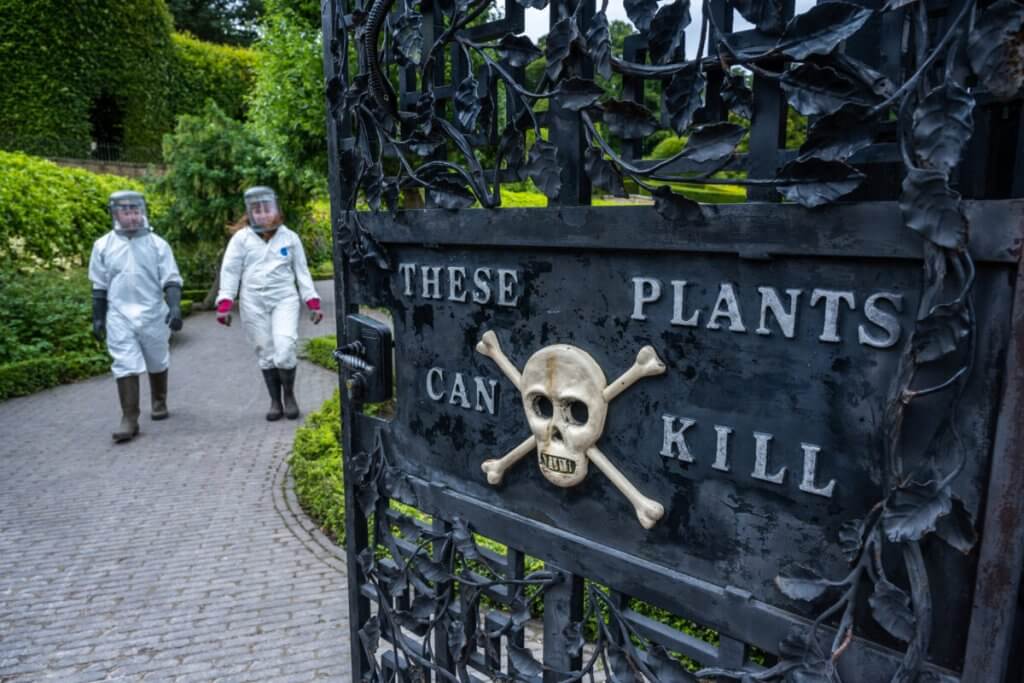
(99, 314)
(173, 295)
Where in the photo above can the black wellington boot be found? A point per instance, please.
(291, 408)
(128, 394)
(273, 382)
(158, 394)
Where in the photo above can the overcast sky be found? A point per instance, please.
(537, 20)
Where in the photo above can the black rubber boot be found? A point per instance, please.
(158, 394)
(273, 381)
(291, 408)
(128, 394)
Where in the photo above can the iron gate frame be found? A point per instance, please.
(739, 232)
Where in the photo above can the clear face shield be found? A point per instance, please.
(128, 213)
(262, 210)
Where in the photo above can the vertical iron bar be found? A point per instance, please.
(563, 606)
(336, 65)
(1002, 547)
(565, 127)
(768, 129)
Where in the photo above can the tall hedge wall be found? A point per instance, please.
(58, 57)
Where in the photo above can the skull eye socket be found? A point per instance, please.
(578, 412)
(542, 407)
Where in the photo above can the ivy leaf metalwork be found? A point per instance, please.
(523, 661)
(369, 636)
(641, 13)
(667, 33)
(579, 93)
(813, 182)
(623, 670)
(841, 134)
(851, 538)
(803, 584)
(599, 45)
(676, 208)
(563, 35)
(425, 145)
(943, 123)
(766, 15)
(995, 48)
(512, 148)
(450, 194)
(467, 102)
(737, 96)
(457, 639)
(940, 333)
(913, 510)
(684, 95)
(603, 173)
(628, 120)
(815, 90)
(398, 486)
(957, 528)
(820, 29)
(518, 51)
(932, 209)
(408, 38)
(713, 141)
(544, 169)
(890, 606)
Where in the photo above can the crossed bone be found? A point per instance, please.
(647, 364)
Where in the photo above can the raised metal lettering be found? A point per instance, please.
(675, 438)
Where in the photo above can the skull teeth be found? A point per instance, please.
(557, 464)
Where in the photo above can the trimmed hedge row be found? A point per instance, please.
(64, 60)
(29, 376)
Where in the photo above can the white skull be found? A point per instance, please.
(563, 397)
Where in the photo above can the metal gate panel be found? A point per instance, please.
(731, 487)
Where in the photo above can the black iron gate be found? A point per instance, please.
(773, 440)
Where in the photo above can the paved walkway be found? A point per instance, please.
(179, 556)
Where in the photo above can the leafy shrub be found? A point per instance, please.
(316, 466)
(668, 147)
(50, 214)
(319, 350)
(29, 376)
(45, 313)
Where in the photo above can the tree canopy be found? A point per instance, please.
(232, 22)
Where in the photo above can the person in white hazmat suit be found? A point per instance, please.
(266, 260)
(136, 302)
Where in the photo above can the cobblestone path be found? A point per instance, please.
(180, 556)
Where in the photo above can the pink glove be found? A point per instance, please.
(314, 311)
(224, 312)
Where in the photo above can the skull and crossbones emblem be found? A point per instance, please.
(565, 397)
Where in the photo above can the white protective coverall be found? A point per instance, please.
(269, 304)
(134, 271)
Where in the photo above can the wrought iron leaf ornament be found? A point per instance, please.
(641, 12)
(599, 45)
(890, 606)
(408, 37)
(667, 32)
(841, 134)
(766, 15)
(943, 124)
(544, 168)
(628, 119)
(560, 42)
(518, 50)
(684, 95)
(713, 141)
(931, 208)
(579, 93)
(996, 48)
(816, 90)
(603, 173)
(820, 29)
(814, 182)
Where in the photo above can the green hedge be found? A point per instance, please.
(319, 350)
(51, 214)
(60, 57)
(29, 376)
